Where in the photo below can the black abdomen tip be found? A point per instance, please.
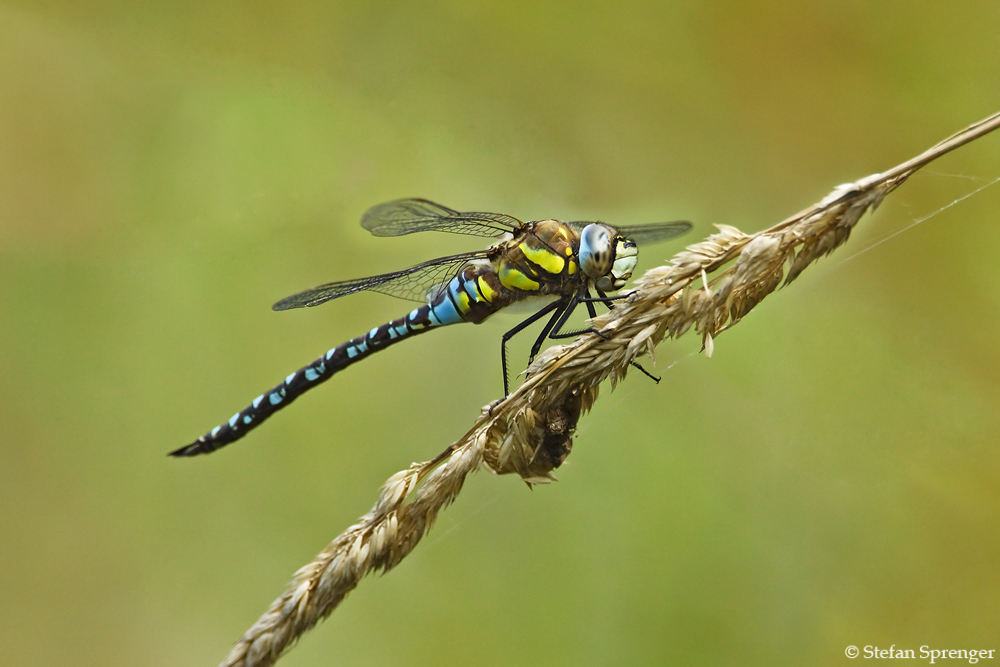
(199, 446)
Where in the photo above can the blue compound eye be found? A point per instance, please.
(597, 250)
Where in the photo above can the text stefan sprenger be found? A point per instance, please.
(926, 652)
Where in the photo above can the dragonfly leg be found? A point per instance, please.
(557, 332)
(606, 300)
(520, 327)
(590, 301)
(646, 373)
(590, 304)
(545, 334)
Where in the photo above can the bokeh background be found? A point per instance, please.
(169, 170)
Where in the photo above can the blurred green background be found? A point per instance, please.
(169, 170)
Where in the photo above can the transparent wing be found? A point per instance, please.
(406, 216)
(653, 232)
(416, 283)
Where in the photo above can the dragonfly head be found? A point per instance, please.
(607, 257)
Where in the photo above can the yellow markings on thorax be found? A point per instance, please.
(549, 261)
(572, 267)
(463, 300)
(484, 289)
(512, 278)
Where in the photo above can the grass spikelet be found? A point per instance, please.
(530, 432)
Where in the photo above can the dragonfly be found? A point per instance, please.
(542, 260)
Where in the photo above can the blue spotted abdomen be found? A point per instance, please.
(440, 313)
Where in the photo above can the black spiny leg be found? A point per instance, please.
(590, 304)
(646, 373)
(545, 334)
(558, 333)
(606, 300)
(520, 327)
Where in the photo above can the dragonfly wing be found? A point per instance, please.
(416, 283)
(406, 216)
(653, 232)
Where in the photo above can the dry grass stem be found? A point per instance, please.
(709, 286)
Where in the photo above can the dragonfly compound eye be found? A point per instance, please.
(626, 255)
(597, 250)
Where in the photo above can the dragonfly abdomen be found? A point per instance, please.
(439, 313)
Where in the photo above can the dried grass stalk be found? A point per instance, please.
(530, 432)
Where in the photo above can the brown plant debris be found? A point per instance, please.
(531, 431)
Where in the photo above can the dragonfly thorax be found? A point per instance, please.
(606, 257)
